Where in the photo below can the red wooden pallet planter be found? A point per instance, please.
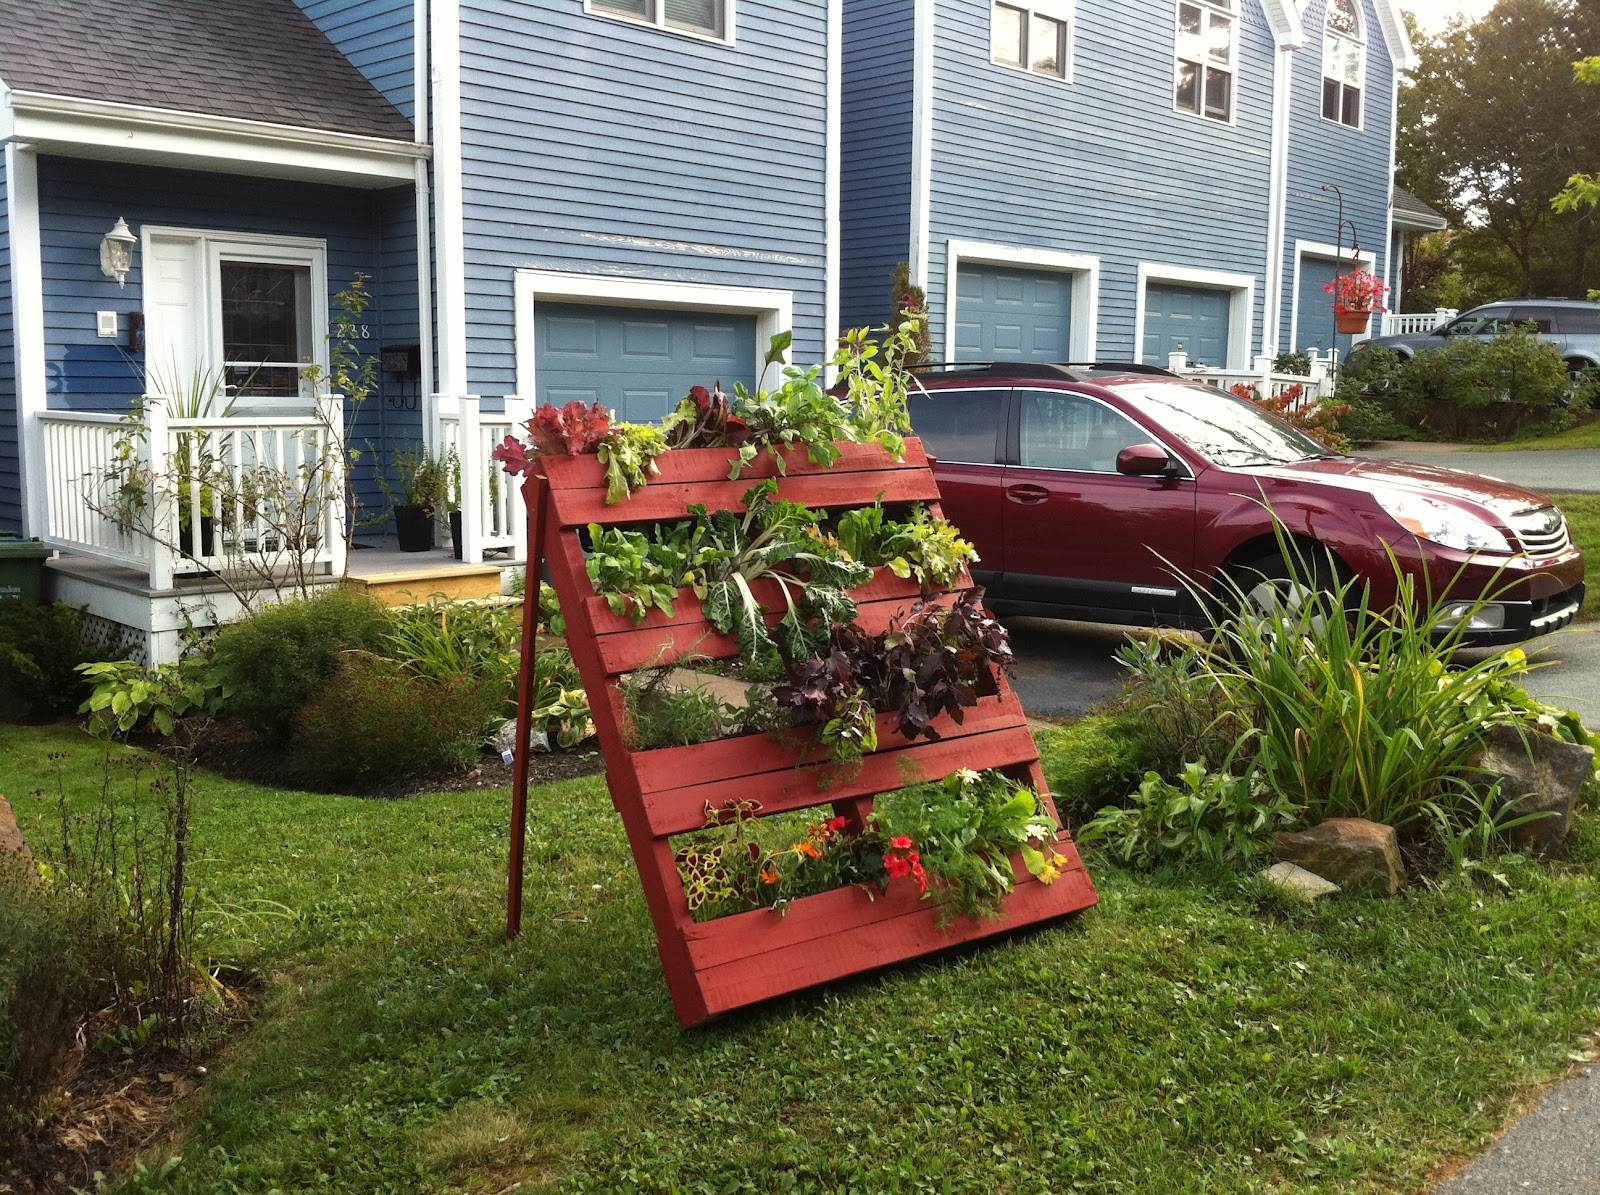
(719, 965)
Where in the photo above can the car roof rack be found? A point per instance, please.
(1077, 371)
(1541, 299)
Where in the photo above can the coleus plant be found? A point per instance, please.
(937, 660)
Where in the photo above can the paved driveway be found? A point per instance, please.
(1558, 471)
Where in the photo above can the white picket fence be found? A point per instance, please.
(492, 515)
(1415, 323)
(1316, 385)
(264, 493)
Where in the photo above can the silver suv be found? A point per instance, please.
(1572, 325)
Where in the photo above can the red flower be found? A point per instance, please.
(896, 866)
(903, 843)
(834, 825)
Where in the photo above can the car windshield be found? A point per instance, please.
(1222, 428)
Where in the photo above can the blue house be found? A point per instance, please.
(610, 199)
(1115, 179)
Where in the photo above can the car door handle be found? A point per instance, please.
(1028, 495)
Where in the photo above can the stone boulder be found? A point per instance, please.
(1539, 774)
(1349, 851)
(1296, 881)
(12, 843)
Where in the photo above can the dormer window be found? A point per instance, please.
(1033, 37)
(1344, 63)
(702, 18)
(1206, 59)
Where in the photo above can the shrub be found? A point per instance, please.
(378, 720)
(278, 659)
(40, 650)
(1097, 760)
(45, 986)
(442, 639)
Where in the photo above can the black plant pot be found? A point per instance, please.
(455, 533)
(413, 526)
(208, 543)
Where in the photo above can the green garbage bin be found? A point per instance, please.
(21, 568)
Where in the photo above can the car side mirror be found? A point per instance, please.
(1145, 460)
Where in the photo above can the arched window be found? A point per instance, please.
(1344, 63)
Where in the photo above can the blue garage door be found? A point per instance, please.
(638, 361)
(1194, 318)
(1012, 315)
(1313, 326)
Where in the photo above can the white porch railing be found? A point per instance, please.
(1415, 323)
(492, 517)
(1318, 384)
(254, 494)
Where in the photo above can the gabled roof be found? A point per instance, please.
(1407, 211)
(257, 60)
(1284, 18)
(1395, 36)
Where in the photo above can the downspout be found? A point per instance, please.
(448, 206)
(831, 183)
(1391, 272)
(421, 98)
(1278, 200)
(921, 139)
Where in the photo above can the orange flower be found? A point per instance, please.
(769, 873)
(806, 848)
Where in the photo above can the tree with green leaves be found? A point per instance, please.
(1492, 124)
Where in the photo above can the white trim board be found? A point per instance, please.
(921, 137)
(27, 322)
(449, 204)
(832, 185)
(133, 133)
(1323, 252)
(1084, 268)
(1240, 313)
(773, 309)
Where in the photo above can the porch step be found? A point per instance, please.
(409, 587)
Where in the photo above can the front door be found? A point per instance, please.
(1080, 534)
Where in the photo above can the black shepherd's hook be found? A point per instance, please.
(1338, 230)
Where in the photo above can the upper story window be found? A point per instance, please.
(706, 18)
(1344, 62)
(1033, 37)
(1207, 59)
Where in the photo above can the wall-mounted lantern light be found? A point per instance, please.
(116, 252)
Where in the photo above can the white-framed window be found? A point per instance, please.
(1035, 37)
(1344, 63)
(700, 18)
(1207, 59)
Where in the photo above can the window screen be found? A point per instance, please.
(959, 426)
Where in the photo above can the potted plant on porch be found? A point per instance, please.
(1356, 295)
(415, 485)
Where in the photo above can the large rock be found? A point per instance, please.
(12, 843)
(1349, 851)
(1538, 774)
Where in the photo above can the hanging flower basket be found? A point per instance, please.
(1356, 296)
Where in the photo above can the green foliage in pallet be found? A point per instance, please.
(929, 549)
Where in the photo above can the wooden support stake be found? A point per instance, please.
(533, 496)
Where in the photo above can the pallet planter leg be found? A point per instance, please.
(533, 493)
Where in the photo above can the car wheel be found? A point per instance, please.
(1578, 374)
(1268, 592)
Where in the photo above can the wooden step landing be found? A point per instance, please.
(408, 587)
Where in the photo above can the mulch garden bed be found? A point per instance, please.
(231, 749)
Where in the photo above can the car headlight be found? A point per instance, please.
(1444, 524)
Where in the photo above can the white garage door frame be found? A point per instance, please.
(1084, 269)
(773, 309)
(1323, 252)
(1242, 290)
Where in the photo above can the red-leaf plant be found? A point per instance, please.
(572, 430)
(936, 660)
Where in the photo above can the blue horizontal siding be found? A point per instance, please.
(593, 145)
(10, 476)
(376, 36)
(1101, 165)
(1322, 151)
(369, 232)
(875, 175)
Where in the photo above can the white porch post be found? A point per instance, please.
(518, 411)
(162, 502)
(469, 444)
(27, 316)
(330, 413)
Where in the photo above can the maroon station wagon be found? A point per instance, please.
(1084, 487)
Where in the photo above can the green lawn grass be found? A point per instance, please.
(1583, 518)
(1583, 435)
(1179, 1038)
